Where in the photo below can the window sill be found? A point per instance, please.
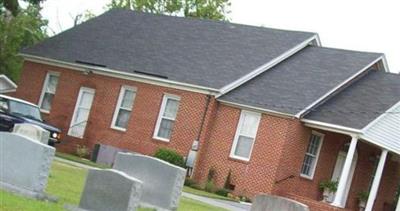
(44, 111)
(161, 139)
(303, 176)
(238, 159)
(118, 128)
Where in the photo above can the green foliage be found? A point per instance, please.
(223, 192)
(227, 183)
(23, 30)
(207, 9)
(363, 196)
(210, 187)
(82, 151)
(329, 185)
(170, 156)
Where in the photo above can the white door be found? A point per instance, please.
(81, 112)
(337, 172)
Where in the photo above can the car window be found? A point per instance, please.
(23, 109)
(3, 104)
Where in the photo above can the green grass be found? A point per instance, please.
(80, 160)
(205, 194)
(66, 182)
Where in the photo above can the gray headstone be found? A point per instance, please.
(107, 154)
(269, 203)
(24, 164)
(162, 181)
(32, 131)
(110, 190)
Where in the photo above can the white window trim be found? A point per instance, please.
(81, 90)
(118, 106)
(322, 136)
(46, 81)
(160, 115)
(237, 134)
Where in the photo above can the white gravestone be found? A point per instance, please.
(110, 189)
(266, 202)
(24, 165)
(32, 131)
(162, 181)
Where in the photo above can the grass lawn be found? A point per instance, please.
(80, 160)
(66, 183)
(205, 194)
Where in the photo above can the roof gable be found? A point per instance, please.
(360, 103)
(302, 79)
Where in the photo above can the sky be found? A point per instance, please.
(363, 25)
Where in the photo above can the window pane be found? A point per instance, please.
(313, 145)
(122, 118)
(249, 125)
(307, 165)
(171, 108)
(165, 128)
(127, 100)
(243, 146)
(52, 84)
(46, 103)
(86, 100)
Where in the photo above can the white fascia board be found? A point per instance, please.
(257, 109)
(9, 81)
(268, 65)
(385, 64)
(332, 127)
(122, 75)
(301, 113)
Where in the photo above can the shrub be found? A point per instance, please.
(331, 186)
(210, 187)
(363, 196)
(170, 156)
(190, 182)
(227, 184)
(222, 192)
(211, 174)
(82, 151)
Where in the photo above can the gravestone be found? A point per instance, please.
(32, 131)
(110, 190)
(24, 164)
(106, 154)
(266, 202)
(162, 181)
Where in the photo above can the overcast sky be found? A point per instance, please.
(365, 25)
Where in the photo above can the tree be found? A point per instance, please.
(13, 5)
(16, 32)
(207, 9)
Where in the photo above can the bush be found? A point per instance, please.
(210, 187)
(190, 182)
(82, 151)
(331, 186)
(211, 174)
(170, 156)
(222, 192)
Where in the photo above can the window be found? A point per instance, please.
(48, 91)
(166, 117)
(312, 154)
(245, 135)
(123, 109)
(81, 112)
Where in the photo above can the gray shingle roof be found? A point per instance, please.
(200, 52)
(362, 102)
(297, 82)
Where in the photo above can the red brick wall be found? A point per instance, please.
(256, 175)
(138, 136)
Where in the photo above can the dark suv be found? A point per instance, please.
(15, 111)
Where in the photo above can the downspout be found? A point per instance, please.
(192, 156)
